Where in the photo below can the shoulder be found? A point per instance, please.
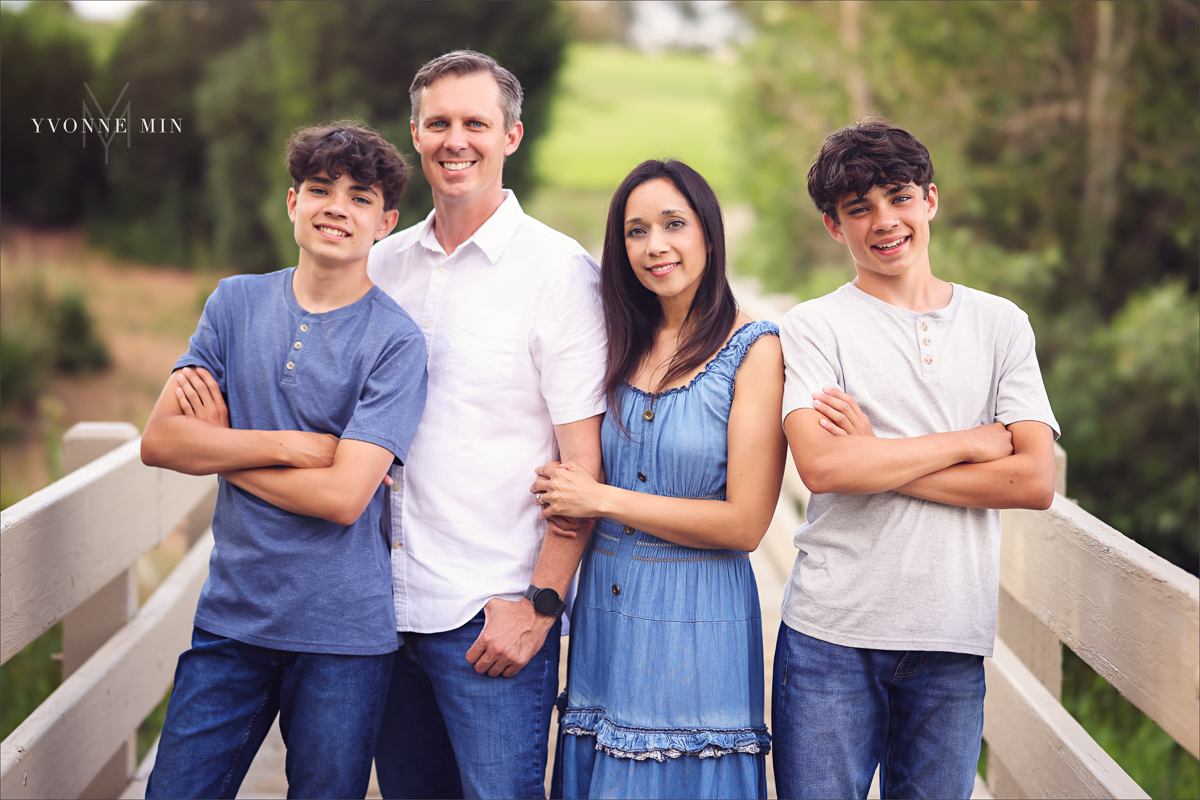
(819, 316)
(251, 291)
(553, 249)
(988, 305)
(389, 248)
(394, 322)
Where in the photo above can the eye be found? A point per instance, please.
(363, 199)
(675, 223)
(317, 190)
(901, 198)
(635, 232)
(475, 124)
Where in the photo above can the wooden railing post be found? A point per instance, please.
(1033, 643)
(95, 621)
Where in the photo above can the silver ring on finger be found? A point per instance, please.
(539, 497)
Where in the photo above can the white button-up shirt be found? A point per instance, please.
(515, 334)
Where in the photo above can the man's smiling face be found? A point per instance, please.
(887, 230)
(462, 139)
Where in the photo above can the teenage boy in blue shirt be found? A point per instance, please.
(914, 409)
(323, 377)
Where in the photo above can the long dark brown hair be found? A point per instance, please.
(632, 313)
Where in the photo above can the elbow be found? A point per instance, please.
(1042, 498)
(153, 453)
(346, 511)
(818, 478)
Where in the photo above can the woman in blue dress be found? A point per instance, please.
(665, 686)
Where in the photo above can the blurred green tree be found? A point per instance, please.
(46, 57)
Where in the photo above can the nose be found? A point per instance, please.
(456, 139)
(656, 241)
(884, 219)
(335, 206)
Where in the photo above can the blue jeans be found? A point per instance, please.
(838, 712)
(225, 699)
(451, 732)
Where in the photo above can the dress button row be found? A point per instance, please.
(924, 327)
(628, 531)
(648, 415)
(928, 360)
(925, 342)
(616, 589)
(642, 477)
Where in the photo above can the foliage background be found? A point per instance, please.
(1065, 137)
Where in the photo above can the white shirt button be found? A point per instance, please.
(427, 324)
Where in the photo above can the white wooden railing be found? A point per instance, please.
(69, 553)
(66, 553)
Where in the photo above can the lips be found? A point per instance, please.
(663, 269)
(457, 166)
(892, 246)
(331, 232)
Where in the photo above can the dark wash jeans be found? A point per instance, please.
(225, 699)
(838, 712)
(451, 732)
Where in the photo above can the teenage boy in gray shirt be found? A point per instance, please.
(324, 380)
(914, 409)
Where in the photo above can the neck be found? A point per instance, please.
(916, 289)
(455, 221)
(324, 287)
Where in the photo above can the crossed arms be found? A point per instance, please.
(991, 466)
(307, 473)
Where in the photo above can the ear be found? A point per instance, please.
(512, 139)
(412, 127)
(834, 228)
(931, 202)
(291, 204)
(387, 223)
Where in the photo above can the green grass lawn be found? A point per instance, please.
(615, 108)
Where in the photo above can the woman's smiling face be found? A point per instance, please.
(665, 241)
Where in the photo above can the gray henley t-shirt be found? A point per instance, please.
(887, 571)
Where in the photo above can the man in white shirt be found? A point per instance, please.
(513, 324)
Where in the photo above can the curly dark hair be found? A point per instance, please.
(860, 157)
(347, 146)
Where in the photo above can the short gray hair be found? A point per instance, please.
(468, 62)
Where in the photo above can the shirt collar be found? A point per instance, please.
(492, 238)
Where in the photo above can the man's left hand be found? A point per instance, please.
(842, 416)
(512, 633)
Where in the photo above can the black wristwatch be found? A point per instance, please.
(545, 601)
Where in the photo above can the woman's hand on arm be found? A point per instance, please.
(188, 432)
(755, 471)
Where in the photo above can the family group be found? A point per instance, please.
(424, 437)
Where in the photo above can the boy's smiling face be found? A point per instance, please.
(887, 230)
(337, 221)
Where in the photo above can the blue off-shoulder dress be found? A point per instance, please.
(665, 685)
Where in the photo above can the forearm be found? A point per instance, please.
(706, 524)
(309, 492)
(195, 447)
(1017, 481)
(869, 465)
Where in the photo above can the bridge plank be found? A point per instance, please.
(62, 745)
(61, 545)
(1044, 747)
(1131, 615)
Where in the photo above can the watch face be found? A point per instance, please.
(546, 602)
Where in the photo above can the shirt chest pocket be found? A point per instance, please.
(483, 342)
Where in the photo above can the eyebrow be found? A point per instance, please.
(666, 212)
(896, 189)
(357, 187)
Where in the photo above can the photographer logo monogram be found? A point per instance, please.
(106, 125)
